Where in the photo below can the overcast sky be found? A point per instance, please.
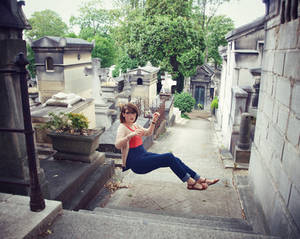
(240, 11)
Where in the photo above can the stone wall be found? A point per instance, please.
(275, 157)
(243, 52)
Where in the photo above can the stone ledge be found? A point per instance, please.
(17, 221)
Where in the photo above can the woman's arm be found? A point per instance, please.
(122, 137)
(151, 128)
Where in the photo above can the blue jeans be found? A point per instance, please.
(141, 162)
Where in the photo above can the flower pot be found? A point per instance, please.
(76, 147)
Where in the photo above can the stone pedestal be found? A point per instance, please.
(241, 155)
(242, 149)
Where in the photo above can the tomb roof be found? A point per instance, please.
(51, 41)
(147, 69)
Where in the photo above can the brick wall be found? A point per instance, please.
(275, 156)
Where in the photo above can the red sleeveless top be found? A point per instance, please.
(135, 141)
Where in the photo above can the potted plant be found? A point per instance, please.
(71, 137)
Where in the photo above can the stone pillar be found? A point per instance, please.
(245, 126)
(238, 106)
(13, 155)
(256, 87)
(239, 100)
(256, 73)
(242, 149)
(249, 91)
(103, 118)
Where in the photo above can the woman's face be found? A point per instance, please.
(129, 116)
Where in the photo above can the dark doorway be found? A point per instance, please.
(199, 95)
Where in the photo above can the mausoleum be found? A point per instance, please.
(63, 65)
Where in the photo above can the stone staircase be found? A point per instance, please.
(75, 184)
(122, 223)
(113, 222)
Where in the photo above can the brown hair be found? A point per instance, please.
(130, 107)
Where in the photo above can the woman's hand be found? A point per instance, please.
(155, 117)
(139, 132)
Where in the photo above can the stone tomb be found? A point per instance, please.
(63, 65)
(143, 81)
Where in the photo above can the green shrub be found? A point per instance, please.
(185, 116)
(200, 106)
(215, 103)
(71, 123)
(184, 101)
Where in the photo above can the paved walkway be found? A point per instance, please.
(195, 143)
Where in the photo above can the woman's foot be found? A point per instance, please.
(208, 181)
(197, 186)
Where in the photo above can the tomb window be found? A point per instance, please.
(49, 64)
(139, 81)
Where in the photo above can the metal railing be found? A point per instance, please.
(37, 202)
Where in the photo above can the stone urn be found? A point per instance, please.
(76, 147)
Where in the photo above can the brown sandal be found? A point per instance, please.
(193, 186)
(208, 183)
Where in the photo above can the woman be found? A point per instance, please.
(136, 158)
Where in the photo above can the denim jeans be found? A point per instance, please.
(141, 162)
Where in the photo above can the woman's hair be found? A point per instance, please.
(129, 107)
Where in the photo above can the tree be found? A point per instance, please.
(93, 20)
(46, 23)
(163, 37)
(204, 13)
(105, 50)
(173, 44)
(172, 8)
(95, 23)
(206, 9)
(217, 30)
(132, 4)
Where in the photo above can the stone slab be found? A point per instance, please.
(17, 221)
(88, 226)
(229, 224)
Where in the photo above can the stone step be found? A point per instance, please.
(251, 208)
(83, 225)
(89, 189)
(18, 221)
(65, 177)
(217, 223)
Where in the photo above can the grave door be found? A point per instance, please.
(199, 95)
